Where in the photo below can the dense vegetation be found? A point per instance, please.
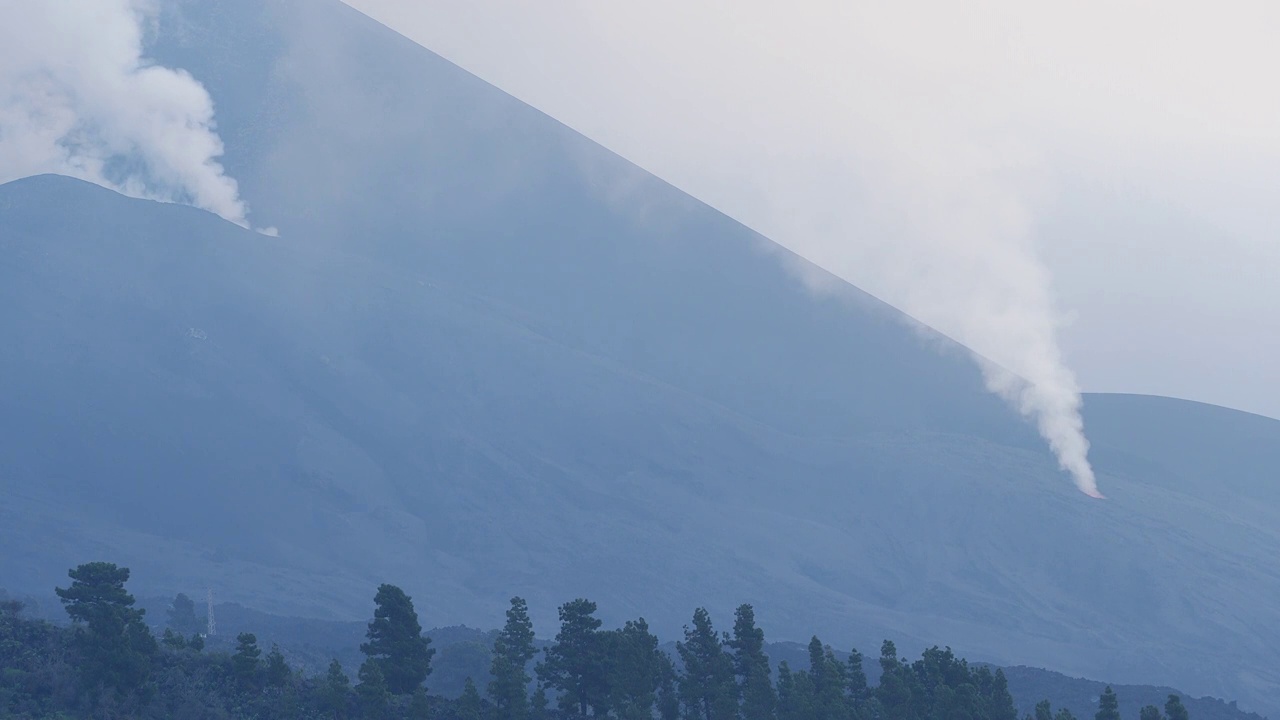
(109, 664)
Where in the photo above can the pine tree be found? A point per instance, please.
(1108, 706)
(396, 643)
(182, 616)
(997, 698)
(574, 664)
(245, 659)
(826, 674)
(795, 694)
(419, 705)
(635, 670)
(1150, 712)
(172, 640)
(707, 688)
(512, 651)
(114, 644)
(469, 705)
(539, 706)
(1064, 714)
(372, 689)
(786, 705)
(278, 671)
(895, 690)
(1175, 710)
(751, 666)
(668, 693)
(337, 691)
(859, 691)
(1044, 711)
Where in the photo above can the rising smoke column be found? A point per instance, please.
(953, 245)
(78, 98)
(940, 222)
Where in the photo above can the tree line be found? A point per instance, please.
(109, 664)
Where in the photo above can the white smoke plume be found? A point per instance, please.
(955, 244)
(77, 97)
(947, 234)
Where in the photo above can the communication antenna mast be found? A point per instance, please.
(213, 626)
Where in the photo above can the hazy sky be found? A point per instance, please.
(1113, 166)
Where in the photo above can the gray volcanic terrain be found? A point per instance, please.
(488, 357)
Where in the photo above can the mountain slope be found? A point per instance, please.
(295, 448)
(487, 357)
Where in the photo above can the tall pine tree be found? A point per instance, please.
(396, 643)
(470, 706)
(1174, 709)
(336, 694)
(372, 690)
(636, 668)
(859, 690)
(114, 644)
(512, 651)
(574, 664)
(539, 706)
(895, 692)
(245, 659)
(668, 691)
(751, 666)
(1108, 706)
(707, 687)
(827, 675)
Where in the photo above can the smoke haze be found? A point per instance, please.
(817, 125)
(78, 98)
(951, 243)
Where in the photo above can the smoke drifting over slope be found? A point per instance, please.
(952, 245)
(78, 98)
(845, 131)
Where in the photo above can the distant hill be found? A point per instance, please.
(1029, 685)
(487, 357)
